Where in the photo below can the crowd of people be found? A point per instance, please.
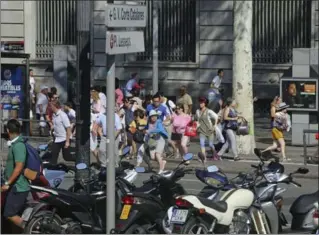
(149, 124)
(153, 126)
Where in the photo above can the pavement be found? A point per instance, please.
(194, 186)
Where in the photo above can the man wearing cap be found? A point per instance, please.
(131, 84)
(42, 104)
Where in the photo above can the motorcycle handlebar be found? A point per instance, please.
(296, 183)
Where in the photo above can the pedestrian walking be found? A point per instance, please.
(41, 107)
(61, 132)
(16, 185)
(281, 123)
(186, 100)
(207, 120)
(230, 123)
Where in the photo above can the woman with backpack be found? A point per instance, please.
(136, 128)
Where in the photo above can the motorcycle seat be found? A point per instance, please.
(82, 198)
(56, 167)
(304, 203)
(220, 206)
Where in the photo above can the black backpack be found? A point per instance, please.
(138, 136)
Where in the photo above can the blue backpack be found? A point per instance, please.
(33, 165)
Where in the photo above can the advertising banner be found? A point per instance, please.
(12, 90)
(300, 94)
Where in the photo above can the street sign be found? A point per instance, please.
(123, 16)
(123, 42)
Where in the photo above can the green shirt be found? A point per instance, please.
(17, 153)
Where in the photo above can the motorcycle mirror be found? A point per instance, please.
(302, 170)
(212, 168)
(81, 166)
(257, 152)
(126, 150)
(140, 169)
(201, 157)
(188, 156)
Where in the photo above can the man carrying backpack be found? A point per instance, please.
(16, 184)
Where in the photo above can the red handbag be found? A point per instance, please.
(317, 136)
(191, 129)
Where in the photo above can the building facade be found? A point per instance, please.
(195, 40)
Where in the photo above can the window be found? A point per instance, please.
(278, 27)
(177, 31)
(56, 25)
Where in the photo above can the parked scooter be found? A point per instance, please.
(62, 211)
(145, 207)
(302, 210)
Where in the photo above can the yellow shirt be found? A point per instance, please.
(142, 124)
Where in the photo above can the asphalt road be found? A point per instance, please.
(194, 186)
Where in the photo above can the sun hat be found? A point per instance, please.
(153, 113)
(43, 87)
(282, 106)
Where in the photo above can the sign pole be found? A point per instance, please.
(110, 142)
(118, 42)
(1, 142)
(155, 46)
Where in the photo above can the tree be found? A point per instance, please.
(242, 70)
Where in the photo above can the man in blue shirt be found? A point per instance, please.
(159, 108)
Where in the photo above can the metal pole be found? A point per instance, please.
(110, 143)
(83, 30)
(1, 142)
(110, 84)
(155, 46)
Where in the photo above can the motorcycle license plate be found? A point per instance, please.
(179, 216)
(125, 212)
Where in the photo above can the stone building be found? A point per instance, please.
(195, 39)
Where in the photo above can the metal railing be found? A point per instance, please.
(278, 27)
(56, 25)
(305, 132)
(176, 31)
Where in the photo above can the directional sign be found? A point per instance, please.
(122, 42)
(122, 16)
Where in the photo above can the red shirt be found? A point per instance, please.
(49, 112)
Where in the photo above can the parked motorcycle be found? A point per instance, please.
(316, 220)
(62, 211)
(302, 210)
(237, 208)
(145, 207)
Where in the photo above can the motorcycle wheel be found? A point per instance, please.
(196, 225)
(34, 225)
